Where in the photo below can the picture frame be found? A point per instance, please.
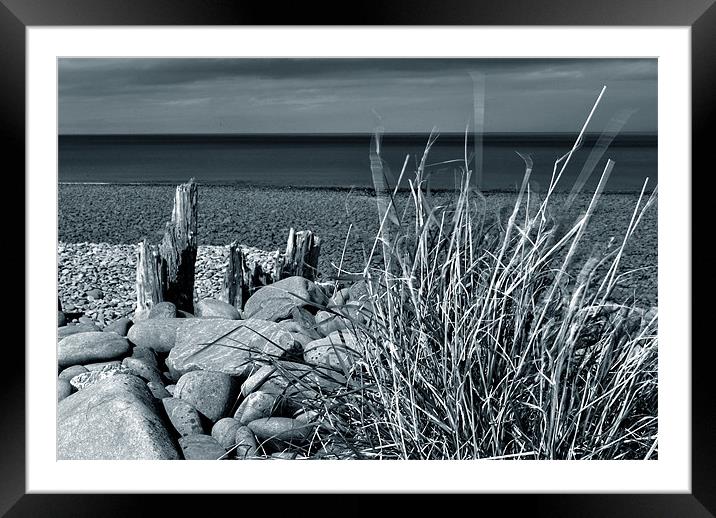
(17, 15)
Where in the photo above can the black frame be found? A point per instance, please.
(700, 15)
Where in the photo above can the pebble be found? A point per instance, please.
(224, 431)
(163, 310)
(211, 393)
(184, 417)
(245, 443)
(201, 447)
(71, 372)
(64, 389)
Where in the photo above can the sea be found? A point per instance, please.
(343, 161)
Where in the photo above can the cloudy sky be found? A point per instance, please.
(348, 95)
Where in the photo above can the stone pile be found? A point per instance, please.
(219, 384)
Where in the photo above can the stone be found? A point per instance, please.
(101, 365)
(284, 455)
(212, 308)
(275, 301)
(339, 298)
(163, 310)
(228, 346)
(73, 329)
(184, 314)
(294, 380)
(338, 351)
(201, 447)
(115, 419)
(245, 442)
(184, 417)
(142, 369)
(358, 291)
(86, 321)
(211, 393)
(61, 319)
(300, 334)
(147, 355)
(158, 390)
(71, 372)
(256, 405)
(170, 389)
(224, 431)
(89, 347)
(95, 293)
(64, 389)
(120, 326)
(327, 323)
(158, 334)
(281, 430)
(84, 380)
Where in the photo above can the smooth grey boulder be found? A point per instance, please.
(327, 323)
(294, 380)
(212, 308)
(61, 319)
(183, 416)
(299, 333)
(120, 326)
(275, 301)
(224, 431)
(158, 390)
(256, 405)
(281, 430)
(143, 370)
(71, 372)
(211, 393)
(113, 419)
(163, 310)
(73, 329)
(201, 447)
(245, 443)
(64, 389)
(147, 355)
(339, 351)
(339, 298)
(158, 334)
(228, 346)
(82, 348)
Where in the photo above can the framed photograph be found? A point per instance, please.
(439, 251)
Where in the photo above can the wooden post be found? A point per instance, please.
(248, 269)
(301, 256)
(177, 251)
(166, 272)
(234, 285)
(149, 290)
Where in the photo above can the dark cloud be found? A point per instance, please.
(142, 95)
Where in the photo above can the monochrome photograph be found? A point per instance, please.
(357, 259)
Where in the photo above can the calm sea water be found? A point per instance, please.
(339, 160)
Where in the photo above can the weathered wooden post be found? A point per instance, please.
(166, 272)
(248, 269)
(301, 256)
(234, 285)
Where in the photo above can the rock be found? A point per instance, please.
(201, 447)
(86, 321)
(212, 308)
(64, 389)
(327, 323)
(163, 310)
(338, 351)
(147, 355)
(120, 326)
(102, 365)
(84, 380)
(300, 334)
(95, 293)
(61, 320)
(211, 393)
(112, 420)
(228, 346)
(281, 430)
(224, 431)
(83, 348)
(73, 329)
(71, 372)
(183, 416)
(304, 318)
(245, 443)
(170, 389)
(275, 301)
(339, 298)
(158, 334)
(358, 291)
(158, 390)
(284, 455)
(294, 380)
(255, 406)
(184, 314)
(143, 370)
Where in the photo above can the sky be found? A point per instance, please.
(257, 95)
